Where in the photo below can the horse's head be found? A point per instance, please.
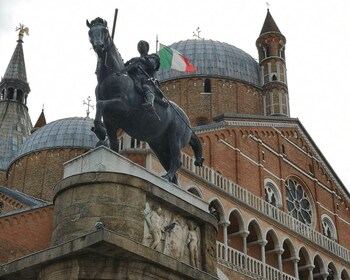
(99, 35)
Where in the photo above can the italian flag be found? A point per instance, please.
(172, 59)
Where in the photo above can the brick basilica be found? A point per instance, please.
(265, 205)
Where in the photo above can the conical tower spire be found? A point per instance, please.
(17, 68)
(15, 123)
(271, 47)
(14, 85)
(40, 122)
(269, 24)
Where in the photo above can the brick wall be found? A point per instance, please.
(3, 180)
(37, 173)
(226, 96)
(25, 233)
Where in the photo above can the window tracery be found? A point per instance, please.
(272, 193)
(328, 228)
(298, 202)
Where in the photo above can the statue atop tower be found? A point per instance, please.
(22, 30)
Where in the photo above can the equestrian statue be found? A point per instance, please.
(128, 98)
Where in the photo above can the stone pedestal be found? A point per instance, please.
(124, 222)
(89, 200)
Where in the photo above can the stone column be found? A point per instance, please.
(262, 244)
(245, 250)
(310, 268)
(224, 230)
(5, 93)
(295, 261)
(149, 161)
(279, 252)
(325, 275)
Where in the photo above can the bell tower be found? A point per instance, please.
(15, 123)
(271, 47)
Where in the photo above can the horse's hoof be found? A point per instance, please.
(166, 177)
(101, 143)
(199, 162)
(100, 132)
(171, 180)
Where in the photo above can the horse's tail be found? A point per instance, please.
(196, 146)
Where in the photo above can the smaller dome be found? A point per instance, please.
(65, 133)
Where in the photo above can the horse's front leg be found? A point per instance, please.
(112, 128)
(174, 161)
(98, 128)
(171, 175)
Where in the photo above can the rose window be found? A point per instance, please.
(298, 203)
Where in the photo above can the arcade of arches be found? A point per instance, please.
(252, 241)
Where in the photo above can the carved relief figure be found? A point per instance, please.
(193, 244)
(172, 234)
(153, 220)
(175, 240)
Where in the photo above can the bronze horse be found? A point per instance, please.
(119, 105)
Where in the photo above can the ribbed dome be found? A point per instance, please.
(213, 58)
(67, 133)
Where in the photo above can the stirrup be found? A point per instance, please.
(148, 106)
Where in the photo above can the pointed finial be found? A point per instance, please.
(88, 106)
(267, 5)
(22, 29)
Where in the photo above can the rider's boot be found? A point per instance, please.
(149, 98)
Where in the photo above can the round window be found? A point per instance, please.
(298, 203)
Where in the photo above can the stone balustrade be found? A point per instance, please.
(248, 265)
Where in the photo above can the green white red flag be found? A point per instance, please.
(172, 59)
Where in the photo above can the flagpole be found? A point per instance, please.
(115, 19)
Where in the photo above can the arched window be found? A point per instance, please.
(10, 93)
(195, 190)
(283, 149)
(216, 210)
(328, 228)
(201, 121)
(266, 50)
(272, 193)
(298, 202)
(282, 52)
(332, 272)
(135, 143)
(20, 96)
(207, 86)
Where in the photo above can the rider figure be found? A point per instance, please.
(150, 64)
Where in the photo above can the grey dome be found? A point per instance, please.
(213, 58)
(65, 133)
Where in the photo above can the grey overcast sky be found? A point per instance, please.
(60, 63)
